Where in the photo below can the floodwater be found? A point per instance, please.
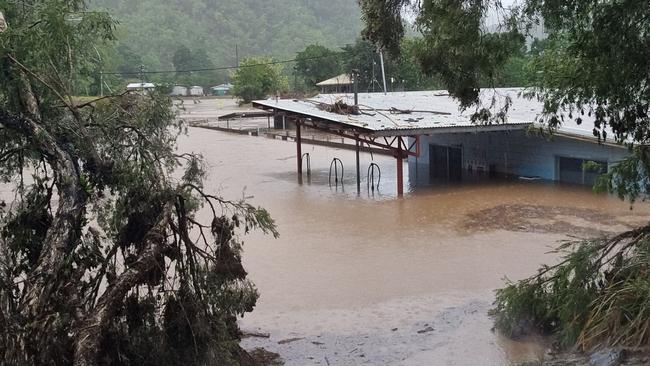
(373, 279)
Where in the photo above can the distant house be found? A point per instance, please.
(179, 91)
(140, 86)
(222, 89)
(337, 84)
(196, 91)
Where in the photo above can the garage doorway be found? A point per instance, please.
(445, 163)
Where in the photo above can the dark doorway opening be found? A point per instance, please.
(579, 171)
(445, 163)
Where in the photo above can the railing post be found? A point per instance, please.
(400, 169)
(356, 136)
(298, 151)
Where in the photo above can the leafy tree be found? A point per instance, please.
(454, 47)
(130, 60)
(403, 67)
(361, 57)
(99, 261)
(317, 63)
(256, 78)
(182, 59)
(405, 70)
(185, 59)
(594, 64)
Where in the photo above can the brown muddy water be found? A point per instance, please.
(372, 279)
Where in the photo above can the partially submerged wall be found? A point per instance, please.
(513, 153)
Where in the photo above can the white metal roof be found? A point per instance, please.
(133, 86)
(431, 112)
(343, 79)
(222, 87)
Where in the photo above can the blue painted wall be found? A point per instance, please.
(513, 152)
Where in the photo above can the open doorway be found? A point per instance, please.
(445, 163)
(579, 171)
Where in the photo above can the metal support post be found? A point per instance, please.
(358, 166)
(298, 152)
(400, 169)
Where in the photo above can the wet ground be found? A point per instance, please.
(372, 279)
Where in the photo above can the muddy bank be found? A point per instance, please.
(449, 329)
(576, 221)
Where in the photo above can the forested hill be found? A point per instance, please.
(156, 29)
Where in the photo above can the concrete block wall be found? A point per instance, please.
(513, 153)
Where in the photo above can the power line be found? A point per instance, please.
(140, 72)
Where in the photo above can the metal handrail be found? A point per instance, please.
(302, 158)
(335, 163)
(371, 176)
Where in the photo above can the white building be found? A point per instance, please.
(196, 91)
(179, 91)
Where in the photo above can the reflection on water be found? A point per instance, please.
(356, 275)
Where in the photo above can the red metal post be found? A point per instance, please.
(299, 151)
(400, 169)
(358, 165)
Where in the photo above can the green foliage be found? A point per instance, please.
(454, 46)
(155, 29)
(99, 257)
(403, 68)
(257, 78)
(317, 63)
(598, 294)
(185, 59)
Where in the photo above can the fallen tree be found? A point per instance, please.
(111, 249)
(598, 295)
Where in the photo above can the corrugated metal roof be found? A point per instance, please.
(431, 112)
(343, 79)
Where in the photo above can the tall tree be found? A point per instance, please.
(99, 261)
(317, 63)
(256, 78)
(454, 48)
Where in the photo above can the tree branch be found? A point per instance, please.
(91, 332)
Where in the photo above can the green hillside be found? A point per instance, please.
(152, 31)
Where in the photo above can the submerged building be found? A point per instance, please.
(443, 144)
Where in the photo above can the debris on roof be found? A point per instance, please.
(339, 107)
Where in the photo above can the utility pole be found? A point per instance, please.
(374, 80)
(237, 55)
(383, 71)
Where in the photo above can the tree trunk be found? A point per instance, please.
(93, 327)
(65, 227)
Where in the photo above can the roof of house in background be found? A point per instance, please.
(343, 79)
(140, 86)
(226, 86)
(424, 112)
